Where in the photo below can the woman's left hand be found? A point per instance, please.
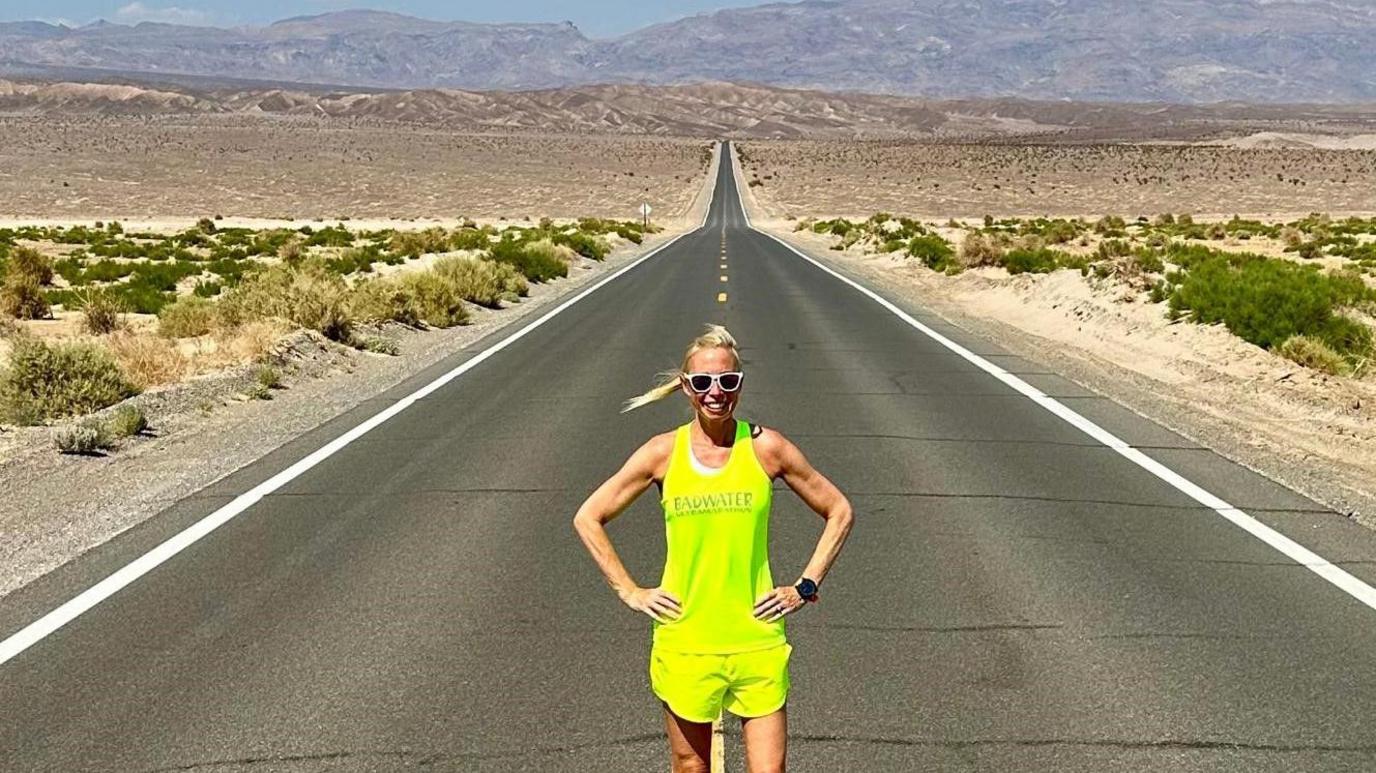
(775, 604)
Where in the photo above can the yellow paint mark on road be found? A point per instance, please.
(723, 267)
(723, 277)
(718, 748)
(721, 297)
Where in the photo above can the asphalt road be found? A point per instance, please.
(1014, 596)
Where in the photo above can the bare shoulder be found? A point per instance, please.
(653, 456)
(772, 449)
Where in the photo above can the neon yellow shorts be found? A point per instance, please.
(698, 687)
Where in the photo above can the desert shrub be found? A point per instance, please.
(1291, 237)
(547, 249)
(332, 236)
(483, 282)
(469, 239)
(933, 251)
(293, 249)
(587, 245)
(29, 262)
(187, 317)
(379, 345)
(269, 378)
(100, 311)
(980, 250)
(433, 298)
(535, 266)
(415, 243)
(86, 438)
(1024, 260)
(1113, 248)
(308, 295)
(147, 360)
(1313, 353)
(22, 297)
(413, 298)
(1267, 302)
(50, 381)
(1111, 226)
(128, 421)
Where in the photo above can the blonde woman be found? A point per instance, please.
(718, 618)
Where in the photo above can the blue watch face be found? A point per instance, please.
(807, 588)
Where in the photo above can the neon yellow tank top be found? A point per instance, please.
(717, 528)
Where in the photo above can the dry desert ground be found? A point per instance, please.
(939, 181)
(294, 168)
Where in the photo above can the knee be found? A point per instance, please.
(690, 763)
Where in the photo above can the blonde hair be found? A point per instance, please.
(713, 337)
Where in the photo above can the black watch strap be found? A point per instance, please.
(807, 589)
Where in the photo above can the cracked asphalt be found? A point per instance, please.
(1014, 596)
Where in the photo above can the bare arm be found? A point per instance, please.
(784, 460)
(644, 467)
(820, 494)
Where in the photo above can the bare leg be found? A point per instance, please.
(766, 742)
(690, 743)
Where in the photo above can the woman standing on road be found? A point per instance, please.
(718, 619)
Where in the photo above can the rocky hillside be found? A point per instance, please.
(708, 110)
(1165, 50)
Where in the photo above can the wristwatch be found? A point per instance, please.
(807, 589)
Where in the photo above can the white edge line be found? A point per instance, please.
(1292, 549)
(41, 628)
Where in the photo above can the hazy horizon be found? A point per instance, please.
(600, 18)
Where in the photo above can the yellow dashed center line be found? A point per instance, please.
(718, 762)
(723, 277)
(723, 267)
(721, 297)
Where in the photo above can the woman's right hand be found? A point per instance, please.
(659, 604)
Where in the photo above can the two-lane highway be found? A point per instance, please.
(1016, 595)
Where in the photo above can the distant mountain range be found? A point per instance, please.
(701, 110)
(1115, 50)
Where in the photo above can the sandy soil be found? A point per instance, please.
(297, 169)
(1313, 432)
(939, 181)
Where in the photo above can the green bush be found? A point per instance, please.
(469, 239)
(269, 378)
(537, 266)
(128, 421)
(933, 251)
(50, 381)
(584, 244)
(1032, 261)
(379, 345)
(1267, 302)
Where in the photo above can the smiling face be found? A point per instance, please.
(715, 404)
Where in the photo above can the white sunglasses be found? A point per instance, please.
(702, 382)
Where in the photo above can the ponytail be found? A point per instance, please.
(713, 337)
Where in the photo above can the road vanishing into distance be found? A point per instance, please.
(1015, 595)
